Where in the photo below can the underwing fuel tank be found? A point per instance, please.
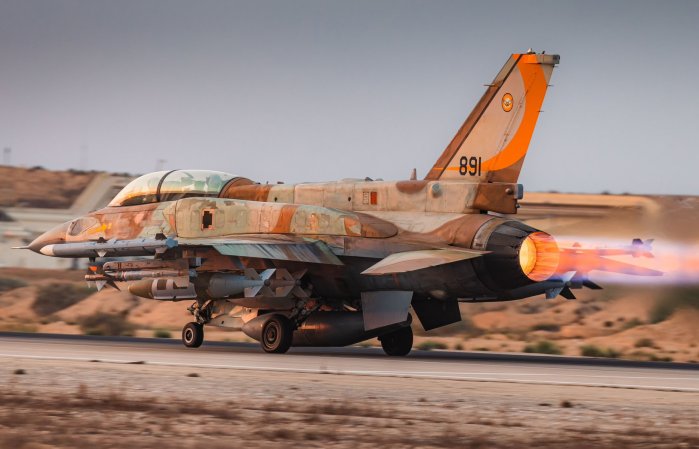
(326, 329)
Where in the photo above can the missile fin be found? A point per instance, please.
(284, 275)
(267, 273)
(251, 273)
(299, 292)
(567, 293)
(251, 292)
(591, 285)
(299, 274)
(283, 292)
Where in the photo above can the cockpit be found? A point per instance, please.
(174, 185)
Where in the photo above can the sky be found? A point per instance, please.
(320, 90)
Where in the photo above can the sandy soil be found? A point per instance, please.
(616, 319)
(80, 404)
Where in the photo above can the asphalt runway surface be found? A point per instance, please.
(467, 366)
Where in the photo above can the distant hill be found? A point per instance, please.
(37, 187)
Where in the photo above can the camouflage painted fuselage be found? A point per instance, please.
(342, 260)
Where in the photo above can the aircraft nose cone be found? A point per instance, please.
(51, 237)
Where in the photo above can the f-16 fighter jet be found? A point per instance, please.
(335, 263)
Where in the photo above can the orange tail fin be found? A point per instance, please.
(491, 144)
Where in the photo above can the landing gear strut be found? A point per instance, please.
(193, 335)
(277, 333)
(398, 342)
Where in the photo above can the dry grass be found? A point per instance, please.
(111, 419)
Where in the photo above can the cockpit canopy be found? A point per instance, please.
(174, 185)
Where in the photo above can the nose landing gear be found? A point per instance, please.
(193, 335)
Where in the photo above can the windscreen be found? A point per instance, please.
(169, 186)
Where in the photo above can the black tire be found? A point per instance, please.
(193, 335)
(397, 343)
(277, 334)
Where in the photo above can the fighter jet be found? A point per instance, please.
(335, 263)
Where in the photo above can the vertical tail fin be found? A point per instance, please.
(491, 144)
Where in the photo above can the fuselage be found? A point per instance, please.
(380, 219)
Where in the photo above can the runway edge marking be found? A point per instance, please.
(364, 373)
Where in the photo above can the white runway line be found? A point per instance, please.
(464, 376)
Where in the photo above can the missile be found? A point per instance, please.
(222, 285)
(137, 275)
(269, 283)
(164, 289)
(136, 247)
(174, 285)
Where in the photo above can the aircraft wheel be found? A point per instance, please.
(277, 334)
(193, 335)
(397, 343)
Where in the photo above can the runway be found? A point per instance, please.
(459, 366)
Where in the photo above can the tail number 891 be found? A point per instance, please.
(470, 166)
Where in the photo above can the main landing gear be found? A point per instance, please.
(193, 335)
(277, 334)
(398, 342)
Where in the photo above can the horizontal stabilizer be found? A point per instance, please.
(417, 260)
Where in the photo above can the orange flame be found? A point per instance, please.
(539, 256)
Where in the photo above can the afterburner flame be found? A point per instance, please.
(539, 256)
(612, 261)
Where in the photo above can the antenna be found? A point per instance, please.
(6, 155)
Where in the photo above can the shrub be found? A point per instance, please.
(674, 299)
(661, 312)
(102, 323)
(430, 345)
(465, 327)
(596, 351)
(7, 284)
(548, 327)
(57, 296)
(632, 323)
(162, 333)
(644, 343)
(655, 358)
(543, 347)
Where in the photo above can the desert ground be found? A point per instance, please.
(80, 404)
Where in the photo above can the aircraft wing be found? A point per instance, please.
(417, 260)
(283, 248)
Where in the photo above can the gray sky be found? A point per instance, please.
(321, 90)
